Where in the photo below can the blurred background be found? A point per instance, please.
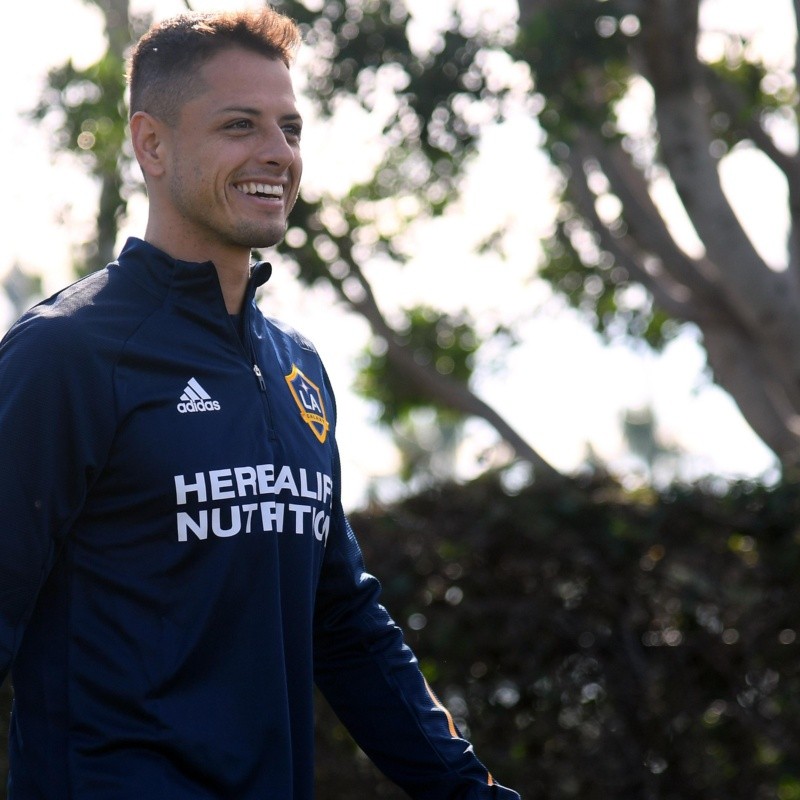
(548, 251)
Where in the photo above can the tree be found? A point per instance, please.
(363, 52)
(90, 105)
(587, 56)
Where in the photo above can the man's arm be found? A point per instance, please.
(51, 432)
(373, 683)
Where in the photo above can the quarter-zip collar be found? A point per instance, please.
(185, 283)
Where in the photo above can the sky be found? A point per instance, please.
(562, 390)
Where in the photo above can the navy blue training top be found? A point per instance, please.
(176, 569)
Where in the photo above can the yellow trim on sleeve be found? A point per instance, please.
(450, 723)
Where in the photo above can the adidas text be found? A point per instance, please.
(198, 405)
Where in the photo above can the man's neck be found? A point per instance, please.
(233, 282)
(232, 265)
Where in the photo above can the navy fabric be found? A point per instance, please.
(176, 569)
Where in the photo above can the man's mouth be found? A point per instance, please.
(260, 190)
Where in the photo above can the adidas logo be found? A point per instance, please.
(196, 398)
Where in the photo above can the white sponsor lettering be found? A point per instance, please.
(285, 482)
(245, 479)
(226, 521)
(187, 525)
(220, 481)
(322, 524)
(233, 528)
(183, 489)
(192, 406)
(265, 516)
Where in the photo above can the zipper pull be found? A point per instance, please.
(260, 378)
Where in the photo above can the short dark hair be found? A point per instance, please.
(164, 64)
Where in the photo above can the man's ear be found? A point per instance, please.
(147, 137)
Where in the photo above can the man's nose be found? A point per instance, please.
(275, 149)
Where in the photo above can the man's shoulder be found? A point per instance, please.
(75, 318)
(58, 316)
(71, 301)
(291, 334)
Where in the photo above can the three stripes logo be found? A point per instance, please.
(196, 398)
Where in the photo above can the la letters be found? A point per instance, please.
(304, 505)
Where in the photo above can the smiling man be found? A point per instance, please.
(177, 570)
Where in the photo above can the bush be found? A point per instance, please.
(599, 645)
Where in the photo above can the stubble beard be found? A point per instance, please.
(251, 235)
(244, 233)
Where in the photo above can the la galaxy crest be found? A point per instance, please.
(309, 400)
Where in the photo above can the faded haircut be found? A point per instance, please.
(163, 68)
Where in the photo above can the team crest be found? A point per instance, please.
(309, 400)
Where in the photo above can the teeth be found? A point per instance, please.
(260, 188)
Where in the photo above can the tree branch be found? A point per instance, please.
(740, 367)
(730, 100)
(441, 388)
(626, 251)
(693, 278)
(765, 302)
(685, 140)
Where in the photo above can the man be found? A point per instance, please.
(176, 567)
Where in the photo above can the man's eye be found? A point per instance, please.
(293, 131)
(240, 125)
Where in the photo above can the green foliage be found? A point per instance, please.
(91, 108)
(758, 95)
(596, 644)
(446, 343)
(356, 43)
(585, 56)
(364, 52)
(593, 282)
(579, 54)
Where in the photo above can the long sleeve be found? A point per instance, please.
(373, 682)
(54, 431)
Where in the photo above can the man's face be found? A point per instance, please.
(234, 160)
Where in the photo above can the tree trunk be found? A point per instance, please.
(748, 313)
